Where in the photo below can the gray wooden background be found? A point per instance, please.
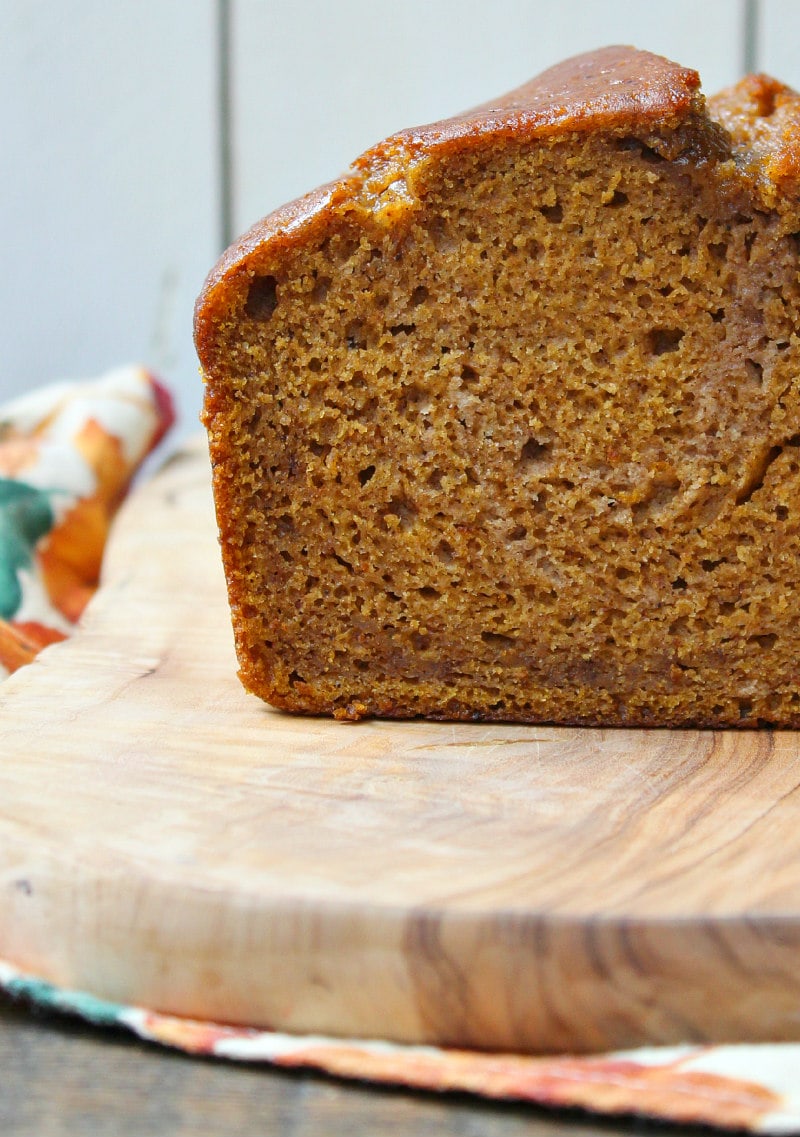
(138, 136)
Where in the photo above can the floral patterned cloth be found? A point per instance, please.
(67, 456)
(755, 1088)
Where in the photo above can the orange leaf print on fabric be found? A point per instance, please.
(605, 1085)
(72, 554)
(104, 454)
(191, 1035)
(21, 642)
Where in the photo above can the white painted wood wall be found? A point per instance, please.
(114, 135)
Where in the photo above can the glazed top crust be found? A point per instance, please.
(762, 117)
(613, 90)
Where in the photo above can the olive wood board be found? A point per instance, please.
(169, 841)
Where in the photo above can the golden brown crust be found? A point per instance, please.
(616, 88)
(613, 89)
(762, 117)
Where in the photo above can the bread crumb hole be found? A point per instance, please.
(440, 235)
(355, 335)
(262, 298)
(664, 340)
(757, 474)
(754, 371)
(497, 639)
(402, 512)
(766, 642)
(636, 146)
(365, 474)
(534, 450)
(552, 213)
(320, 291)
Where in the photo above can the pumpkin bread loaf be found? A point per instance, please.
(505, 423)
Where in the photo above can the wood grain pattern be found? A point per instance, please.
(166, 839)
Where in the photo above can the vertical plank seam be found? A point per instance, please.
(750, 38)
(224, 122)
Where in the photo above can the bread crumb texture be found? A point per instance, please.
(510, 428)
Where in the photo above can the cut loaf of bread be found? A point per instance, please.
(505, 423)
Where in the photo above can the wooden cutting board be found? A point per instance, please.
(168, 840)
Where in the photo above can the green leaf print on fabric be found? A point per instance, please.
(25, 517)
(50, 997)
